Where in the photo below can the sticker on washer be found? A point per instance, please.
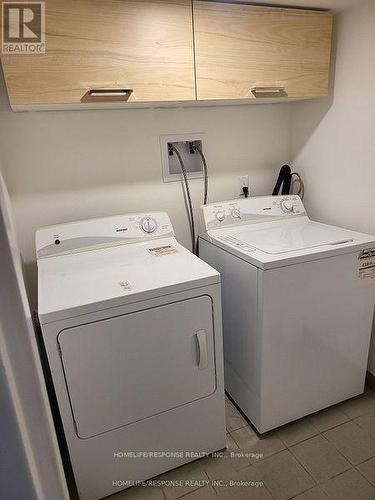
(160, 251)
(366, 267)
(126, 286)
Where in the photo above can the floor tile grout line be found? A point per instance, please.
(338, 451)
(336, 425)
(304, 491)
(359, 426)
(304, 468)
(371, 410)
(298, 442)
(348, 460)
(252, 465)
(260, 436)
(310, 489)
(352, 468)
(313, 425)
(359, 472)
(307, 472)
(318, 483)
(193, 491)
(328, 495)
(260, 459)
(338, 475)
(367, 460)
(269, 491)
(287, 446)
(237, 429)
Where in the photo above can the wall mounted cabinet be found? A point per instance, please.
(143, 47)
(245, 51)
(160, 51)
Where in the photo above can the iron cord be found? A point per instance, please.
(287, 182)
(301, 185)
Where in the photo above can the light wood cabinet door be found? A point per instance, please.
(142, 45)
(248, 51)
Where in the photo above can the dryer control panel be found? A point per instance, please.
(100, 233)
(251, 210)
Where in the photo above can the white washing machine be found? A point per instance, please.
(131, 323)
(298, 302)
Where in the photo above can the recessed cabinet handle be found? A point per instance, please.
(202, 346)
(269, 91)
(107, 95)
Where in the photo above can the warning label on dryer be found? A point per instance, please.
(366, 267)
(160, 251)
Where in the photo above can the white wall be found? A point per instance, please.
(30, 461)
(69, 165)
(333, 141)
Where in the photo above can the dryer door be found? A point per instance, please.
(124, 369)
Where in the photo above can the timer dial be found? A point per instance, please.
(220, 215)
(287, 206)
(236, 213)
(148, 225)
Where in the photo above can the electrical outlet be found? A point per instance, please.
(243, 182)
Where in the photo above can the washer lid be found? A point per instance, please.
(293, 236)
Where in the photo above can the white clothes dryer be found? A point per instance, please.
(131, 323)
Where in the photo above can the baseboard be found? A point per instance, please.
(370, 380)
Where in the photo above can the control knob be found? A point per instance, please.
(220, 215)
(287, 206)
(236, 213)
(148, 225)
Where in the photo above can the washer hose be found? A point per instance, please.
(205, 169)
(188, 196)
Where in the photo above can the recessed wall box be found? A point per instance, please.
(192, 160)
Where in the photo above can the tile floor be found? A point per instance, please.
(328, 455)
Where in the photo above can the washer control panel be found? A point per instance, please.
(257, 209)
(100, 233)
(236, 243)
